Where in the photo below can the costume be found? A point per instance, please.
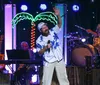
(52, 58)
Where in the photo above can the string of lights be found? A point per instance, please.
(48, 16)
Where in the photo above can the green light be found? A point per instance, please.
(21, 16)
(47, 16)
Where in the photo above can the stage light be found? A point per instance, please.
(92, 0)
(43, 7)
(37, 12)
(92, 12)
(34, 50)
(93, 16)
(83, 39)
(75, 8)
(5, 71)
(24, 7)
(24, 28)
(34, 78)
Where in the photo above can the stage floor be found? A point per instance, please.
(76, 76)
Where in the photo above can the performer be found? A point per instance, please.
(48, 45)
(96, 39)
(25, 46)
(25, 71)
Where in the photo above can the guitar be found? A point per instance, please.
(1, 55)
(87, 30)
(80, 27)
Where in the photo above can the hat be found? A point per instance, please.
(40, 25)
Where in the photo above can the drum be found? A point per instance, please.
(79, 53)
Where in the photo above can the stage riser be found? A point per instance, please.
(79, 76)
(76, 76)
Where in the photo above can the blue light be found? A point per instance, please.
(24, 7)
(43, 7)
(75, 8)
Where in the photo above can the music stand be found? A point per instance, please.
(18, 54)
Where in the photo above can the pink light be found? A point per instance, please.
(8, 30)
(8, 5)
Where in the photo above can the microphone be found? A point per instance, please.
(48, 43)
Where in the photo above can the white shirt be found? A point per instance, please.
(55, 53)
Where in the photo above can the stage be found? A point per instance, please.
(76, 76)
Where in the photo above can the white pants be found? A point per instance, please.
(60, 71)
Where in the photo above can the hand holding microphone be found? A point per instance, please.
(48, 45)
(46, 48)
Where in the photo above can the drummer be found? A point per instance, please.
(96, 39)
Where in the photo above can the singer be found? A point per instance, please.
(49, 47)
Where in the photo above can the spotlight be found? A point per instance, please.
(24, 28)
(75, 8)
(43, 7)
(24, 7)
(92, 0)
(5, 71)
(34, 50)
(83, 39)
(34, 78)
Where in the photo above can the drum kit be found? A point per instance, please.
(78, 50)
